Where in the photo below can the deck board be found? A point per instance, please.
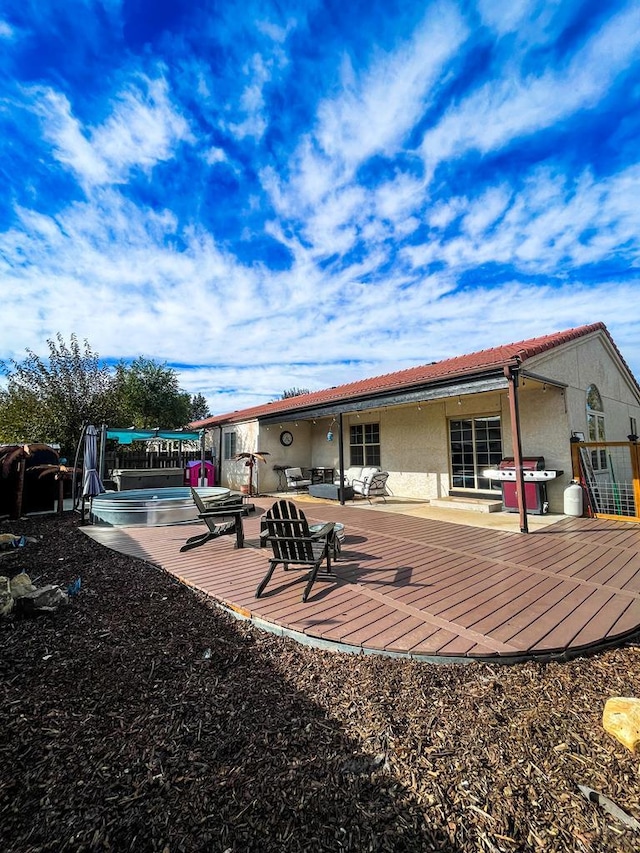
(423, 587)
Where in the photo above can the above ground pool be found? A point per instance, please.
(151, 507)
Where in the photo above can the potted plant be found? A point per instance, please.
(251, 460)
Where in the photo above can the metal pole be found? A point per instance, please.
(512, 377)
(341, 458)
(103, 444)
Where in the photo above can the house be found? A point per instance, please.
(437, 427)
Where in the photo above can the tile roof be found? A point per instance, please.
(414, 377)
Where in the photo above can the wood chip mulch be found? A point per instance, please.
(143, 718)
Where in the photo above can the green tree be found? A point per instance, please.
(49, 400)
(150, 395)
(199, 408)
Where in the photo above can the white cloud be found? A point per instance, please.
(530, 18)
(502, 110)
(142, 130)
(110, 259)
(251, 104)
(6, 30)
(372, 115)
(215, 155)
(486, 210)
(276, 32)
(550, 226)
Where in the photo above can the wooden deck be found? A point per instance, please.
(430, 589)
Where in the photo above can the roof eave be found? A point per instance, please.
(460, 383)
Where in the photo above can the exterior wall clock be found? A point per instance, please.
(286, 438)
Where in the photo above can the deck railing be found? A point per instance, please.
(609, 472)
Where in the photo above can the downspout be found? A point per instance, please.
(511, 374)
(341, 459)
(219, 479)
(202, 479)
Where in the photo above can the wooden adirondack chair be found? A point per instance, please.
(223, 519)
(285, 529)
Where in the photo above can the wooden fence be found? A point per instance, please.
(122, 458)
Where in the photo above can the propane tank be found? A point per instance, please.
(573, 499)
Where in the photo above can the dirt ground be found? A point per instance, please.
(142, 718)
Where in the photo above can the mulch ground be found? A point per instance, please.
(142, 718)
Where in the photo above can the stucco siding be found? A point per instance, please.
(592, 361)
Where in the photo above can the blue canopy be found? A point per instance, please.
(127, 436)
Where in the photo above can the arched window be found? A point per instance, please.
(595, 427)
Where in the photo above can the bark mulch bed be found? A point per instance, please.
(142, 718)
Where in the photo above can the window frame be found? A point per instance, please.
(230, 444)
(596, 426)
(470, 453)
(368, 448)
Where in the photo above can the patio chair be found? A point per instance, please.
(295, 480)
(371, 486)
(224, 518)
(285, 529)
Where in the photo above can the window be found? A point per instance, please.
(364, 444)
(595, 427)
(476, 444)
(229, 445)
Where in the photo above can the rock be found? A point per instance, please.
(6, 599)
(45, 599)
(9, 540)
(621, 718)
(21, 585)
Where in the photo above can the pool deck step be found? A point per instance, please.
(470, 504)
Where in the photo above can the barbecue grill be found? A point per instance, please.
(535, 477)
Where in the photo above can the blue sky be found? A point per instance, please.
(275, 194)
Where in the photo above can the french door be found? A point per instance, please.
(475, 444)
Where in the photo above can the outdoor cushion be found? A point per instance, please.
(373, 484)
(354, 473)
(295, 480)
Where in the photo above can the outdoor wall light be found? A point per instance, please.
(459, 400)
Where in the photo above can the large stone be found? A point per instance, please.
(21, 585)
(621, 718)
(9, 540)
(6, 599)
(45, 599)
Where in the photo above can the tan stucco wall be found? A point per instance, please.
(234, 473)
(297, 455)
(251, 437)
(592, 361)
